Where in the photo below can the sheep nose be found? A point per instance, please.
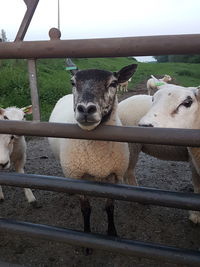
(146, 125)
(86, 110)
(3, 165)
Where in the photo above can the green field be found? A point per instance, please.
(54, 80)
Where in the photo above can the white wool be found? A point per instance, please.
(79, 157)
(166, 110)
(13, 148)
(152, 83)
(132, 109)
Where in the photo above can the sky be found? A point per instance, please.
(83, 19)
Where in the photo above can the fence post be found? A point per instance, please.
(34, 89)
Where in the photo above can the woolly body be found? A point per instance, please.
(168, 94)
(152, 83)
(79, 157)
(13, 148)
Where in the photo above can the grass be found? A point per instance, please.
(183, 73)
(54, 80)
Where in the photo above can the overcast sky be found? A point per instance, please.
(103, 18)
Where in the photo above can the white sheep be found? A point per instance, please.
(94, 102)
(123, 87)
(153, 83)
(172, 106)
(13, 147)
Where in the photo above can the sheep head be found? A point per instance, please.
(95, 94)
(174, 107)
(7, 140)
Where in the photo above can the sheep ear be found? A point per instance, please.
(2, 111)
(27, 110)
(126, 73)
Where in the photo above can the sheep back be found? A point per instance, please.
(132, 109)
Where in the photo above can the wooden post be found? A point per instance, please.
(34, 89)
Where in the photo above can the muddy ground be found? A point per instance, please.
(161, 225)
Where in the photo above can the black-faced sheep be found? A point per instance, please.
(94, 102)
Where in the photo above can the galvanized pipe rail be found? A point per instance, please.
(103, 47)
(117, 245)
(96, 189)
(148, 135)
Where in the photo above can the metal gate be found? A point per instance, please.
(134, 46)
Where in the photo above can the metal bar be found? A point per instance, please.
(31, 6)
(105, 190)
(147, 135)
(117, 245)
(110, 47)
(34, 89)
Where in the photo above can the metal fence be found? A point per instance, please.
(134, 46)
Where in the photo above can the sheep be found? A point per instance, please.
(93, 102)
(13, 148)
(130, 111)
(123, 87)
(172, 106)
(153, 83)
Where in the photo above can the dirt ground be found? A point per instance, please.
(167, 226)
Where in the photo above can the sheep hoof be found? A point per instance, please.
(195, 217)
(35, 205)
(112, 232)
(1, 200)
(87, 251)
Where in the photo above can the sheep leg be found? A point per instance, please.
(110, 214)
(27, 191)
(133, 158)
(86, 212)
(1, 195)
(195, 166)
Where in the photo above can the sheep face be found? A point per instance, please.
(166, 78)
(6, 140)
(95, 94)
(174, 107)
(14, 113)
(6, 148)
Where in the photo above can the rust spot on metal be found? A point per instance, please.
(54, 34)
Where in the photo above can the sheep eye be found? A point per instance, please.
(113, 84)
(187, 102)
(152, 99)
(12, 137)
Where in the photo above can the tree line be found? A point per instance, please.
(3, 37)
(178, 58)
